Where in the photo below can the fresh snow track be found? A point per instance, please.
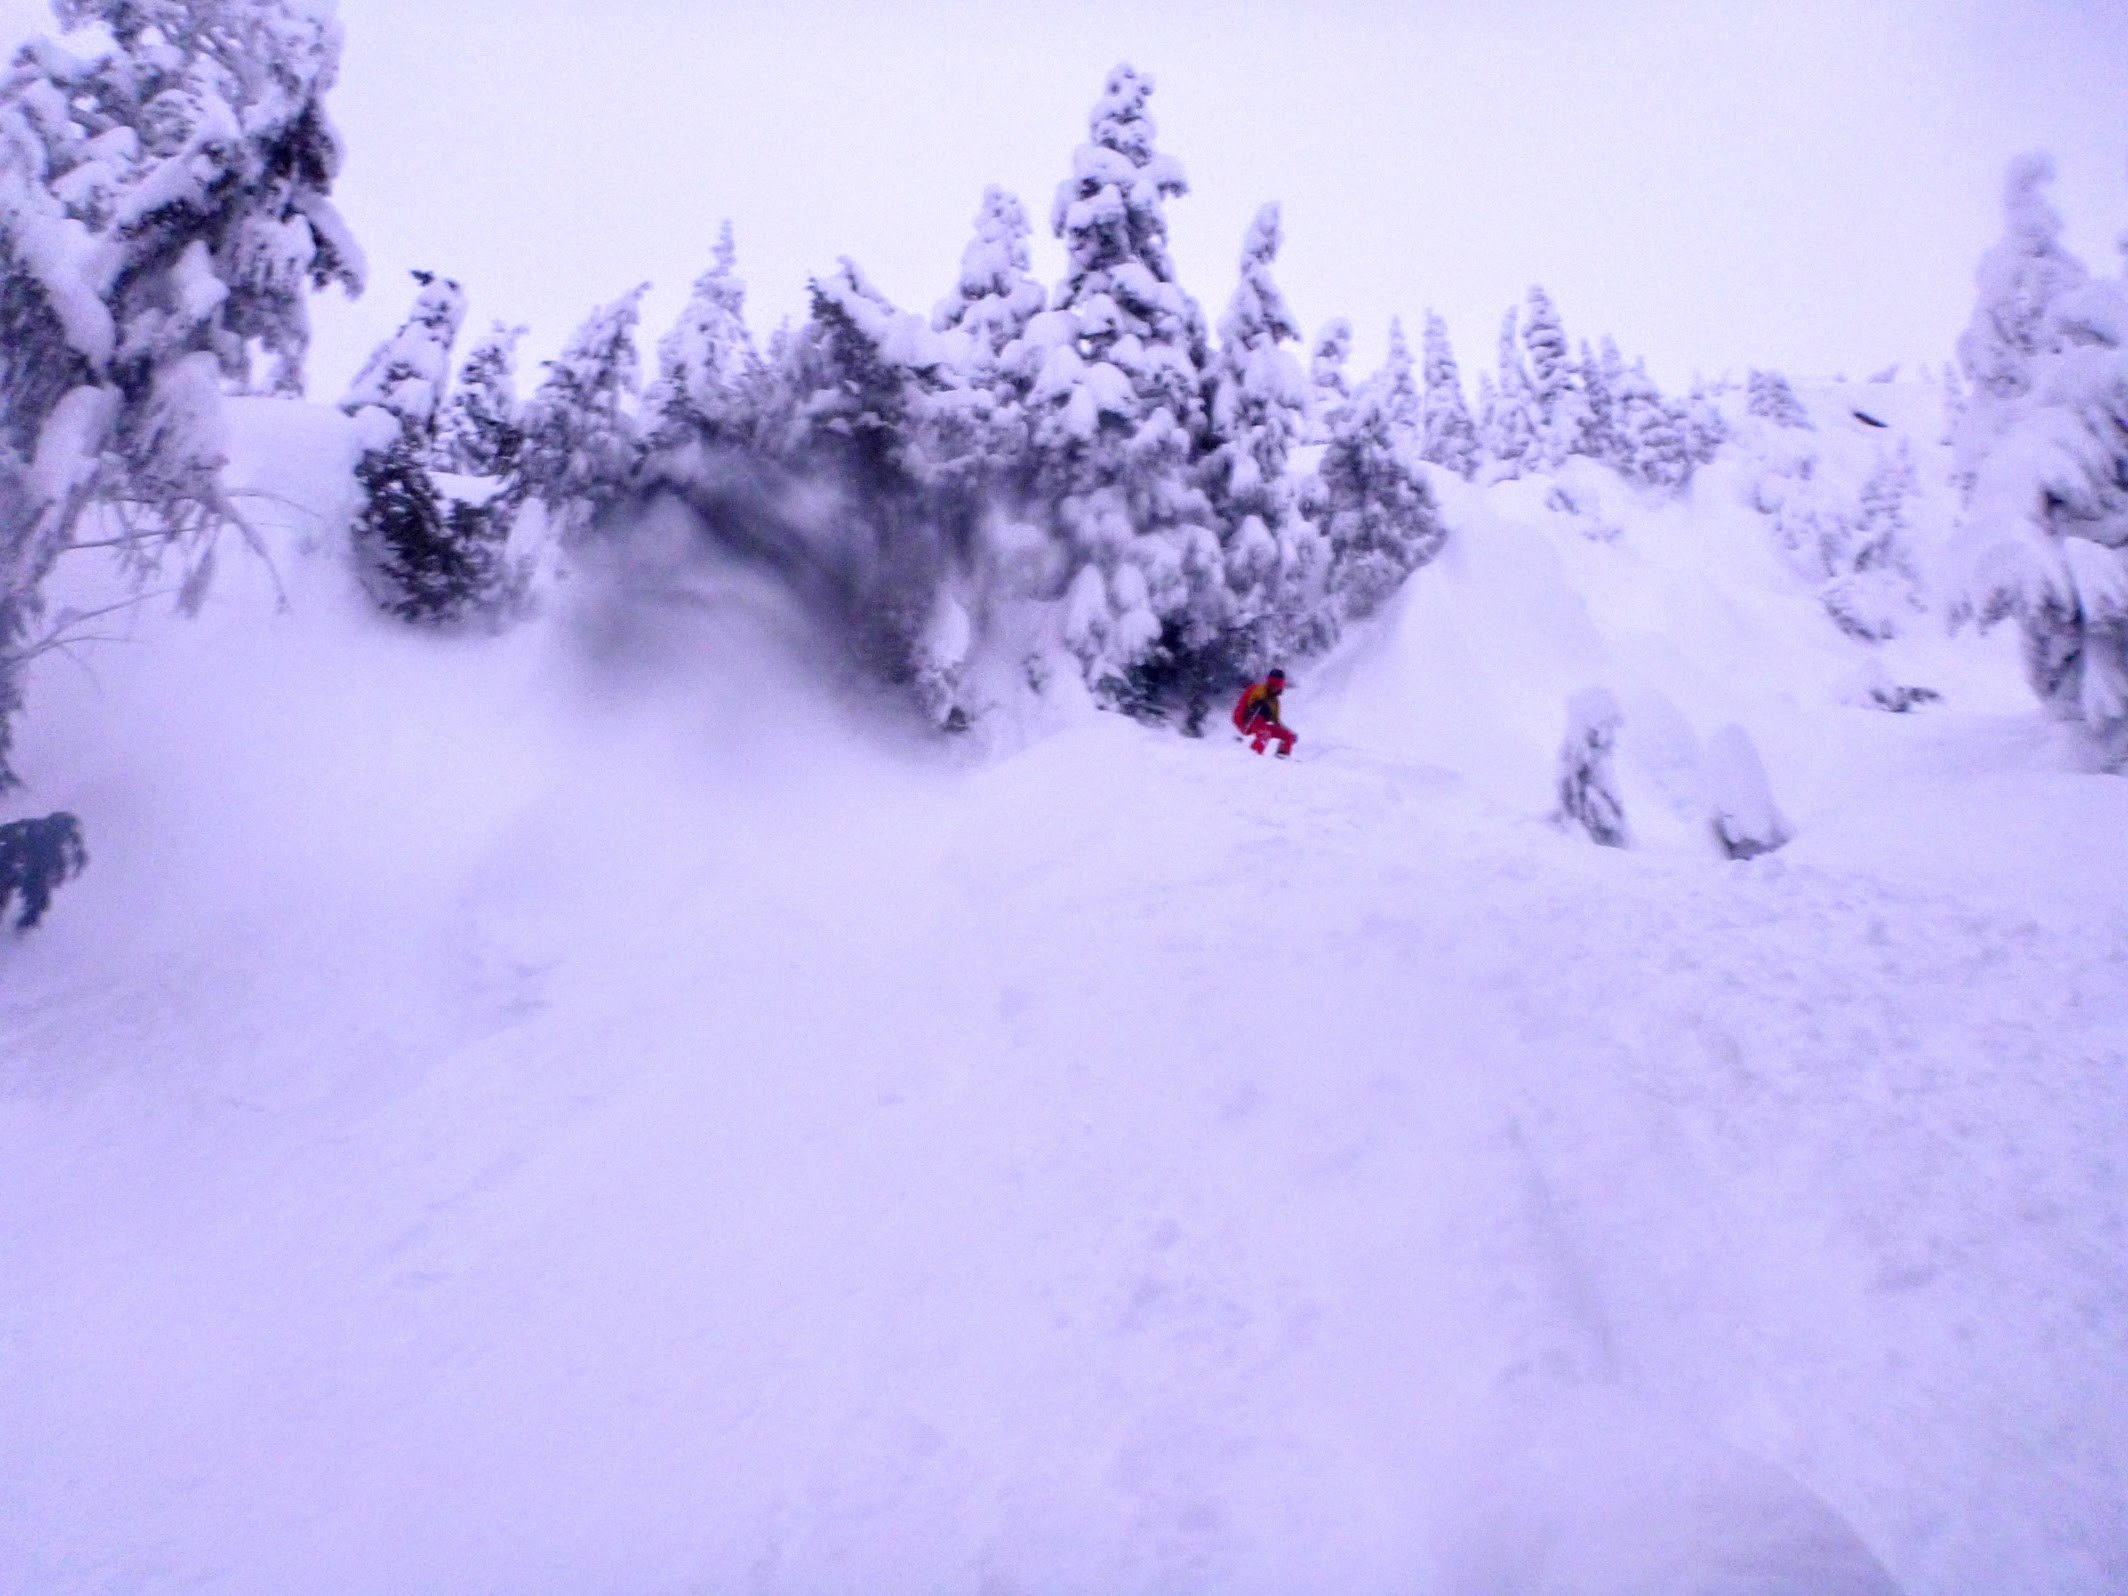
(569, 1114)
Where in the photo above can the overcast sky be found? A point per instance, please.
(1717, 184)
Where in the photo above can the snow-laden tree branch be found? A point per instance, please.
(164, 212)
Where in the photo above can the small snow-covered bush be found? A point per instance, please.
(1588, 787)
(1899, 699)
(426, 554)
(1745, 819)
(940, 657)
(36, 858)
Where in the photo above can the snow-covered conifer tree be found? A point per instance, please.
(421, 555)
(1506, 429)
(2017, 284)
(480, 431)
(1588, 787)
(1274, 558)
(1401, 396)
(424, 556)
(994, 299)
(1118, 404)
(986, 319)
(1378, 511)
(1447, 436)
(865, 371)
(1487, 422)
(1544, 339)
(1871, 580)
(406, 375)
(870, 384)
(840, 458)
(976, 421)
(1768, 395)
(1559, 411)
(1329, 386)
(1701, 424)
(2045, 441)
(1599, 436)
(1119, 279)
(581, 435)
(703, 361)
(1652, 448)
(1604, 377)
(163, 213)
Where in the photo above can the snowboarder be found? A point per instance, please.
(1256, 714)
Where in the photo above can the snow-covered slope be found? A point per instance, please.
(589, 1110)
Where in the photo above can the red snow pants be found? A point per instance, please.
(1261, 731)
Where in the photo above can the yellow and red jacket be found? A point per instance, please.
(1258, 702)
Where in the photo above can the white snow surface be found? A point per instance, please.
(601, 1109)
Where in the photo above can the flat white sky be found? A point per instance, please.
(1718, 184)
